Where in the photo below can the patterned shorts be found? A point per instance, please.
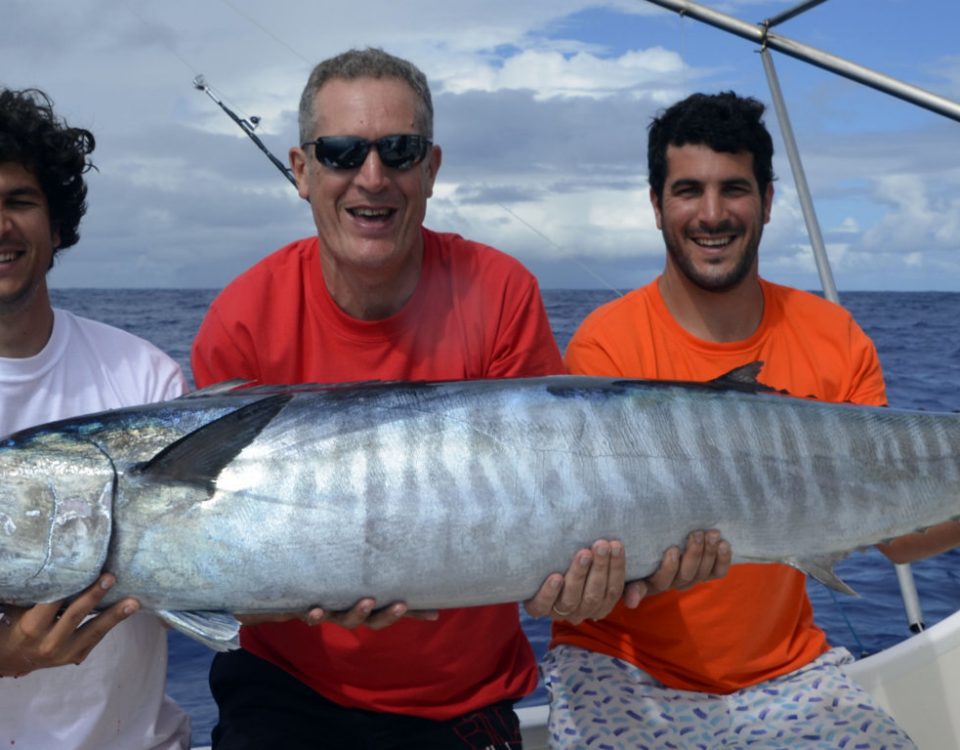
(598, 702)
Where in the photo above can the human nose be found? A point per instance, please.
(372, 175)
(712, 208)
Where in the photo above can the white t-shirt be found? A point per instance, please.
(115, 699)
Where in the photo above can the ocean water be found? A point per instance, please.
(915, 333)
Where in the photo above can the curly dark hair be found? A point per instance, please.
(32, 135)
(725, 122)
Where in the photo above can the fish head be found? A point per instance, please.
(56, 497)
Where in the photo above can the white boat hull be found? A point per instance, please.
(918, 682)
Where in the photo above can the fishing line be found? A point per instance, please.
(853, 632)
(128, 4)
(265, 30)
(168, 45)
(525, 223)
(559, 249)
(201, 83)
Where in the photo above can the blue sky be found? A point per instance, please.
(541, 108)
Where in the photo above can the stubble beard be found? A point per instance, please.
(710, 282)
(14, 305)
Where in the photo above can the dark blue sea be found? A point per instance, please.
(917, 335)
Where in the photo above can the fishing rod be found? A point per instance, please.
(247, 126)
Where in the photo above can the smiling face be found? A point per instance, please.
(27, 240)
(711, 216)
(369, 218)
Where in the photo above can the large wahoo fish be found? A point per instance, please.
(448, 494)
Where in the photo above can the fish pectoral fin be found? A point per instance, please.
(217, 630)
(199, 457)
(821, 569)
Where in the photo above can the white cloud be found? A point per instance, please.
(848, 226)
(603, 224)
(916, 218)
(541, 110)
(551, 73)
(914, 259)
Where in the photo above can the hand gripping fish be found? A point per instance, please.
(275, 499)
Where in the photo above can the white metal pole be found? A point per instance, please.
(866, 76)
(800, 179)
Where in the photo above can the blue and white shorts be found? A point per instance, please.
(598, 702)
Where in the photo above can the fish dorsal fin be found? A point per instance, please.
(199, 457)
(743, 378)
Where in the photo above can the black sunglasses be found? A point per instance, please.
(350, 151)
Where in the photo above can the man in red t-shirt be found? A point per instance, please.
(738, 657)
(375, 295)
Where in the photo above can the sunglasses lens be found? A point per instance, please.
(350, 151)
(342, 151)
(401, 151)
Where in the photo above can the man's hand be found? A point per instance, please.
(591, 587)
(364, 613)
(706, 557)
(46, 635)
(594, 581)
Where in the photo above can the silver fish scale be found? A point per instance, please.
(467, 493)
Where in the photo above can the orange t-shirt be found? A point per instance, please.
(476, 313)
(756, 623)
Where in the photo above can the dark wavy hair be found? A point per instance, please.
(725, 122)
(32, 135)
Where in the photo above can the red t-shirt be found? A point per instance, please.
(756, 623)
(476, 313)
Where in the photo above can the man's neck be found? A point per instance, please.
(371, 295)
(718, 317)
(25, 327)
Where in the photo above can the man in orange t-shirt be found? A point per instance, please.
(737, 658)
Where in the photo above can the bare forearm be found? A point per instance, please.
(923, 544)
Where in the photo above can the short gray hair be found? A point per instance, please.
(367, 63)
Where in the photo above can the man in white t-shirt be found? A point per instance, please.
(83, 682)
